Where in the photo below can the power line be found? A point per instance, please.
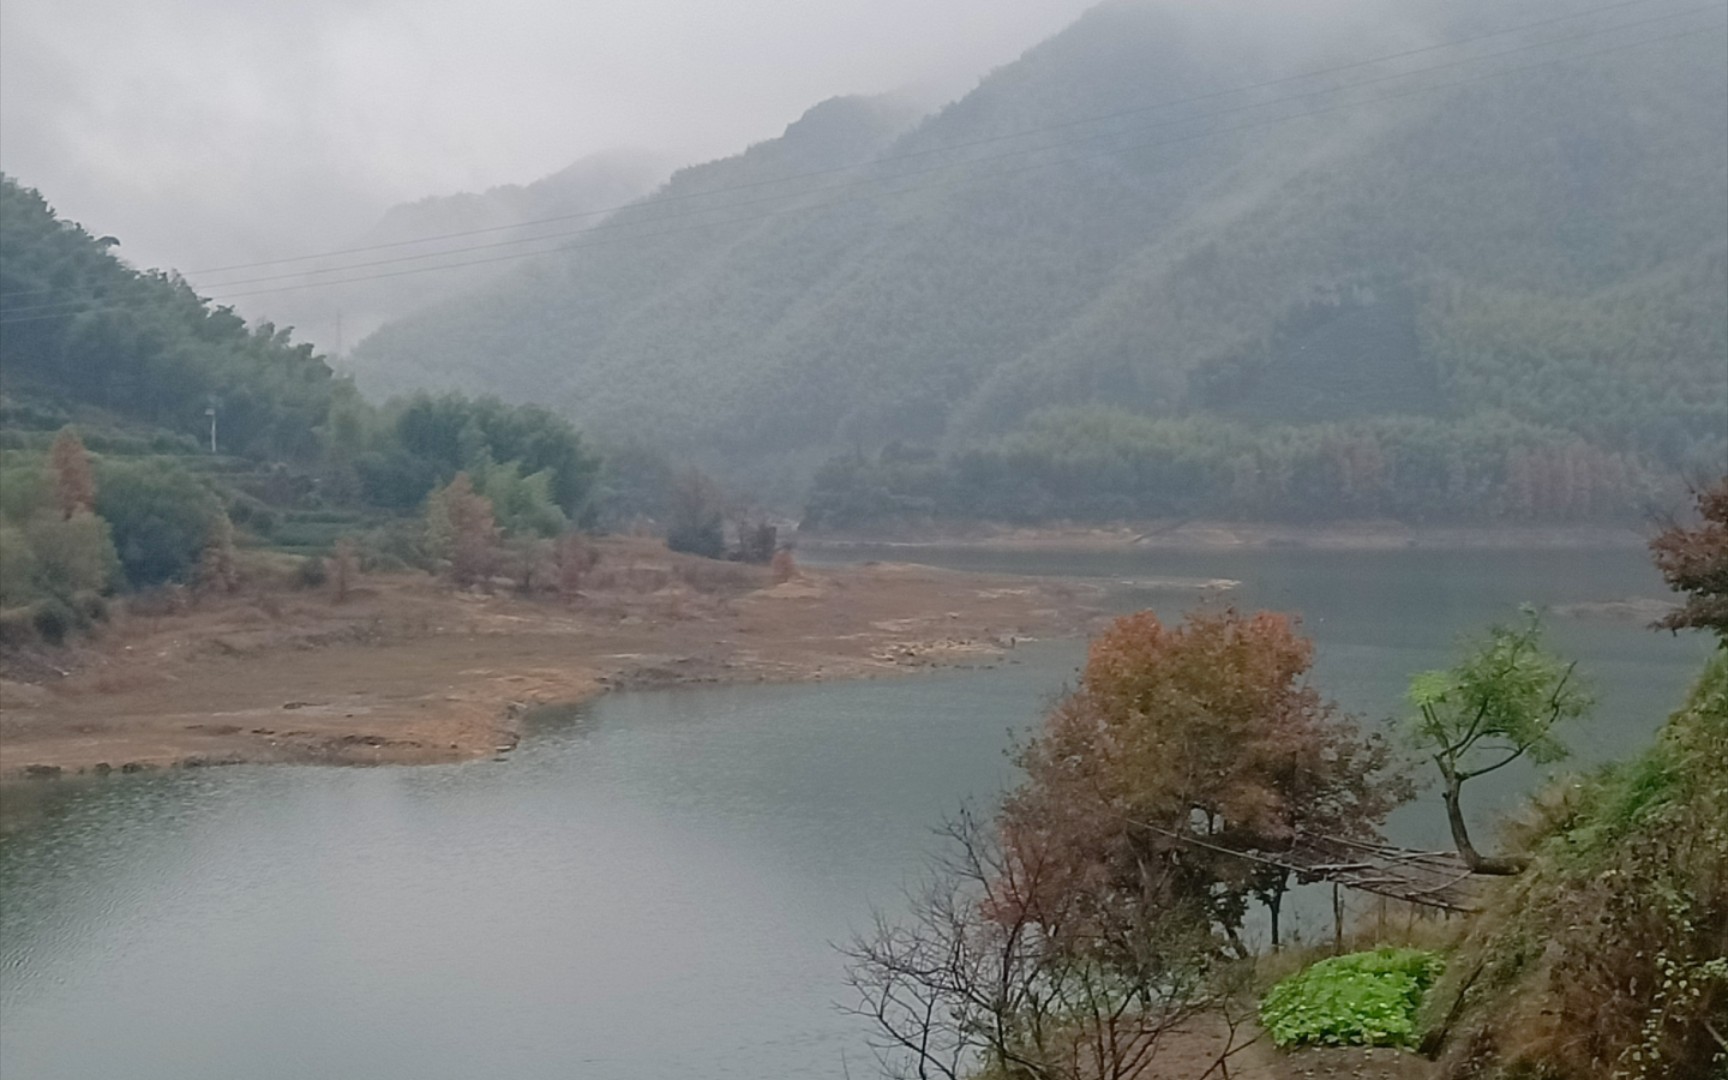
(1172, 103)
(991, 176)
(1000, 174)
(973, 162)
(1022, 133)
(873, 180)
(834, 202)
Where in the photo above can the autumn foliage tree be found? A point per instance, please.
(344, 567)
(783, 566)
(74, 479)
(1180, 746)
(461, 530)
(574, 557)
(1099, 912)
(218, 567)
(1694, 561)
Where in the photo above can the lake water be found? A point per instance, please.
(649, 887)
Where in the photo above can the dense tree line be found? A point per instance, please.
(82, 331)
(1100, 465)
(534, 465)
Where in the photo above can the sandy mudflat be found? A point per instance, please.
(1228, 535)
(409, 670)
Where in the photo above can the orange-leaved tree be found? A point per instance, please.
(1694, 560)
(218, 567)
(74, 480)
(344, 566)
(461, 529)
(1181, 747)
(574, 557)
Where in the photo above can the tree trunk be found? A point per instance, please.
(1475, 860)
(1337, 919)
(1272, 905)
(1275, 906)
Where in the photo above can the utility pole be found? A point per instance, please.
(211, 413)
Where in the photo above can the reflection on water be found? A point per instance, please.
(649, 887)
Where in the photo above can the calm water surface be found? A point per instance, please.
(649, 888)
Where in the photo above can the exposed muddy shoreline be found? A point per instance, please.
(408, 671)
(1230, 536)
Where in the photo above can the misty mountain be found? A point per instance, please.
(569, 200)
(1546, 246)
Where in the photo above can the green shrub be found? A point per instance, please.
(73, 555)
(253, 515)
(395, 545)
(705, 539)
(311, 573)
(24, 489)
(17, 627)
(92, 606)
(18, 570)
(54, 619)
(1362, 999)
(160, 515)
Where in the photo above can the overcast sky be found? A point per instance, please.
(201, 131)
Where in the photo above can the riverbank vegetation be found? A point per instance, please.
(150, 439)
(1092, 919)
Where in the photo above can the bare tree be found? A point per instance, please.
(783, 566)
(344, 566)
(574, 557)
(977, 981)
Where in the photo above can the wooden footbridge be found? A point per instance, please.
(1438, 879)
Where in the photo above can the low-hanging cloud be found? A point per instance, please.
(206, 131)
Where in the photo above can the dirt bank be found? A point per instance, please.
(407, 670)
(1223, 536)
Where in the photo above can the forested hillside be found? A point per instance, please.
(80, 327)
(1542, 252)
(146, 434)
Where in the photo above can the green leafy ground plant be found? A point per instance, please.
(1361, 999)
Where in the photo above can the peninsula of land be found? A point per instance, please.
(406, 669)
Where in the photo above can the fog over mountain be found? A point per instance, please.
(1524, 230)
(336, 316)
(207, 132)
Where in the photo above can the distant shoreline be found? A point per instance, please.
(1244, 536)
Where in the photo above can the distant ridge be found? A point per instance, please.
(1549, 246)
(596, 182)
